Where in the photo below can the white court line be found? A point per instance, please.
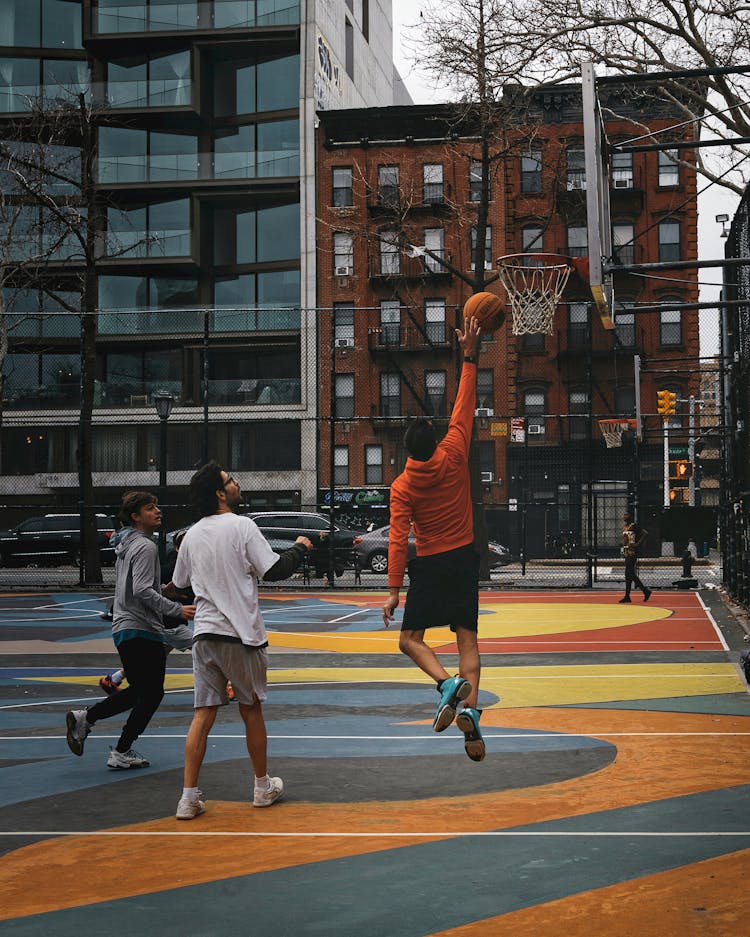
(16, 621)
(713, 622)
(529, 736)
(359, 611)
(449, 834)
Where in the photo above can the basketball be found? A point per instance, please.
(488, 308)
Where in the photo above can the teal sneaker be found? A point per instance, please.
(454, 689)
(468, 722)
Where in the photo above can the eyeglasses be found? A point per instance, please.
(231, 480)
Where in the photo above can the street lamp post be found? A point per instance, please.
(163, 402)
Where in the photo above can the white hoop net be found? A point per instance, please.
(612, 431)
(534, 284)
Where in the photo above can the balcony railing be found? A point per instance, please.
(117, 17)
(397, 264)
(408, 337)
(188, 321)
(179, 167)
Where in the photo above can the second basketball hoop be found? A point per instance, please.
(535, 284)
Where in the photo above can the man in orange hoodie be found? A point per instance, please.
(433, 494)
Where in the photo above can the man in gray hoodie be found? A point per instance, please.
(137, 631)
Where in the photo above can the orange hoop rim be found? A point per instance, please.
(625, 421)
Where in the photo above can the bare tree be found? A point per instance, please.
(48, 156)
(541, 41)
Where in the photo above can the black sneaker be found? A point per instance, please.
(646, 595)
(625, 600)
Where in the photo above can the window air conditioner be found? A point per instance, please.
(623, 183)
(343, 271)
(536, 429)
(484, 412)
(487, 476)
(345, 343)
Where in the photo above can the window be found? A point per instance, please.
(487, 248)
(261, 150)
(432, 183)
(349, 49)
(625, 327)
(248, 375)
(625, 400)
(670, 326)
(373, 465)
(58, 25)
(579, 325)
(343, 253)
(532, 342)
(531, 171)
(262, 236)
(622, 242)
(475, 180)
(343, 324)
(487, 457)
(158, 230)
(248, 87)
(342, 186)
(669, 240)
(578, 426)
(390, 257)
(485, 388)
(532, 239)
(390, 394)
(434, 316)
(534, 408)
(434, 384)
(622, 170)
(344, 397)
(434, 241)
(159, 81)
(390, 322)
(669, 170)
(341, 465)
(576, 169)
(40, 381)
(389, 193)
(131, 376)
(578, 241)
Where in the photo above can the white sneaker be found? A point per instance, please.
(190, 809)
(129, 759)
(264, 798)
(78, 730)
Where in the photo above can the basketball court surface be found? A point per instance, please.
(614, 798)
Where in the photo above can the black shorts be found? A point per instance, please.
(443, 590)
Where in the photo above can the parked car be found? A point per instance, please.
(53, 539)
(373, 551)
(281, 528)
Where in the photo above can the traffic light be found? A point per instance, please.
(680, 470)
(666, 402)
(678, 496)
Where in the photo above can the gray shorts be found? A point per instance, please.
(215, 662)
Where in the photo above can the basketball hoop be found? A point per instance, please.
(612, 431)
(534, 284)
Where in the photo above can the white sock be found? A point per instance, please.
(262, 784)
(117, 677)
(190, 793)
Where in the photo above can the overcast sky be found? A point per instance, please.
(712, 202)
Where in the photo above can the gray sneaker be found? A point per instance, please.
(190, 809)
(264, 798)
(129, 759)
(78, 730)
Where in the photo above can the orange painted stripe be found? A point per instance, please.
(705, 899)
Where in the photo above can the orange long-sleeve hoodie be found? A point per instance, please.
(435, 496)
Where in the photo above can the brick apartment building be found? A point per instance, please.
(394, 179)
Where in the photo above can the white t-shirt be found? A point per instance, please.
(220, 558)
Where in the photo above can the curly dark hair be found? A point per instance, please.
(420, 440)
(203, 487)
(132, 502)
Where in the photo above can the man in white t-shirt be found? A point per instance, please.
(220, 558)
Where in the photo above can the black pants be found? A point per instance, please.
(631, 576)
(144, 663)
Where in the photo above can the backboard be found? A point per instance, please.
(598, 216)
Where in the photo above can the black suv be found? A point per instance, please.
(281, 529)
(52, 540)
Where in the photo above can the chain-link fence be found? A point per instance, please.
(304, 435)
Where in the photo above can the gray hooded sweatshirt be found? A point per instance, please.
(139, 604)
